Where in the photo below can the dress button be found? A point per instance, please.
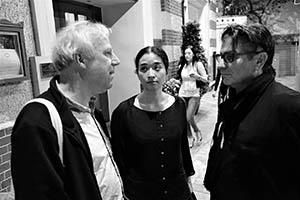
(162, 166)
(159, 113)
(162, 153)
(165, 192)
(163, 178)
(162, 139)
(161, 126)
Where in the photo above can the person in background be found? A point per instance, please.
(190, 71)
(149, 136)
(256, 142)
(86, 63)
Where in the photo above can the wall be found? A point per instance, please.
(212, 34)
(129, 34)
(171, 32)
(111, 14)
(14, 95)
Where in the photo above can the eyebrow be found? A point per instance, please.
(108, 49)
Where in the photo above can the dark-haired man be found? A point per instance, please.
(256, 143)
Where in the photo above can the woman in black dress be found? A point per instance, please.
(149, 136)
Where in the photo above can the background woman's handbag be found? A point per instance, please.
(201, 84)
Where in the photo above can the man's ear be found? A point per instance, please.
(79, 60)
(261, 59)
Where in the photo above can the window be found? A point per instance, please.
(67, 12)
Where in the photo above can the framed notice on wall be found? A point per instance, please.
(13, 60)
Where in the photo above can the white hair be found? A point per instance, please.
(81, 37)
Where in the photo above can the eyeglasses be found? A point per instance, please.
(231, 56)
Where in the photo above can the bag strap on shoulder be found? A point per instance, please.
(55, 120)
(57, 124)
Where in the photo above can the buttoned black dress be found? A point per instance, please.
(151, 150)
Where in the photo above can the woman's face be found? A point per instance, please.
(151, 72)
(188, 54)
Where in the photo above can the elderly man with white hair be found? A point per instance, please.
(86, 63)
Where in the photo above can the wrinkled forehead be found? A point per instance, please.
(102, 42)
(227, 44)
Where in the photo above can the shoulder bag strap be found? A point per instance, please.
(56, 123)
(55, 120)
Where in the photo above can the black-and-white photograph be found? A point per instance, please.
(149, 100)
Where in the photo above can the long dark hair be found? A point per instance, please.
(196, 58)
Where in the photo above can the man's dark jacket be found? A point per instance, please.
(37, 170)
(256, 149)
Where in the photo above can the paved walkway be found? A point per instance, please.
(206, 119)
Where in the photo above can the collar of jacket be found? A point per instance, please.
(70, 124)
(236, 108)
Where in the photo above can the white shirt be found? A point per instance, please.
(108, 181)
(188, 85)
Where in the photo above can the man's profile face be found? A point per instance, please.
(100, 71)
(239, 70)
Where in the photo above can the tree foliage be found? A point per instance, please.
(191, 36)
(258, 11)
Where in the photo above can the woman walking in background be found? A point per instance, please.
(149, 136)
(191, 71)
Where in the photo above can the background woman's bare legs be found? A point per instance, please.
(192, 106)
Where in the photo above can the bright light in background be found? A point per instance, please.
(70, 18)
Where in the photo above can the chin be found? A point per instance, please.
(103, 90)
(228, 83)
(109, 86)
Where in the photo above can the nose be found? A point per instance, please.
(115, 60)
(221, 64)
(151, 73)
